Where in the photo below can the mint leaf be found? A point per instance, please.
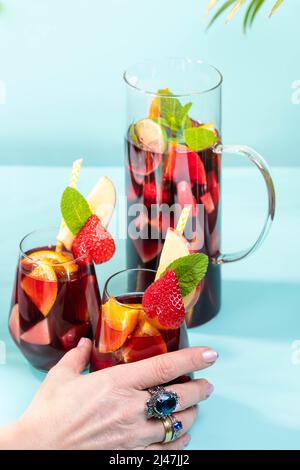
(172, 111)
(189, 270)
(75, 209)
(199, 138)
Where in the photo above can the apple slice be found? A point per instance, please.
(175, 246)
(14, 323)
(41, 287)
(38, 334)
(151, 135)
(102, 201)
(117, 323)
(145, 342)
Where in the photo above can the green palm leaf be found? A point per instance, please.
(257, 7)
(248, 15)
(219, 12)
(277, 4)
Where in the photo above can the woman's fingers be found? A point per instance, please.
(155, 429)
(190, 393)
(76, 359)
(179, 444)
(164, 368)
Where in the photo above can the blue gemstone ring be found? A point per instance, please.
(172, 428)
(162, 402)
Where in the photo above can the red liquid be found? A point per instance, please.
(179, 176)
(73, 302)
(143, 342)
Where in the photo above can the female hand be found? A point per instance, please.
(105, 409)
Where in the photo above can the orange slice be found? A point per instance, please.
(61, 261)
(117, 323)
(41, 287)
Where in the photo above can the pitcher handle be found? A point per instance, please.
(259, 161)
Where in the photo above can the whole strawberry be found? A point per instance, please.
(93, 241)
(162, 302)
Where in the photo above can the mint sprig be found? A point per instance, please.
(189, 270)
(172, 111)
(75, 209)
(199, 138)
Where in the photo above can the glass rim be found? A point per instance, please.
(123, 271)
(36, 261)
(180, 95)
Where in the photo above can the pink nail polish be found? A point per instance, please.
(81, 342)
(210, 356)
(209, 389)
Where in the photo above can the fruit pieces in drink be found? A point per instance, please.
(92, 242)
(146, 341)
(101, 200)
(118, 321)
(38, 334)
(163, 303)
(176, 247)
(14, 323)
(136, 326)
(183, 164)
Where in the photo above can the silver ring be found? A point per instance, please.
(162, 402)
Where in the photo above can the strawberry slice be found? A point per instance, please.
(145, 342)
(41, 287)
(14, 323)
(117, 323)
(93, 242)
(208, 202)
(163, 304)
(183, 164)
(38, 334)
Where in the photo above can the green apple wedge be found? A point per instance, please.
(175, 247)
(102, 201)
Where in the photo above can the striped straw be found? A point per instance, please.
(183, 219)
(72, 184)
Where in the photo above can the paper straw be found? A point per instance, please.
(183, 219)
(72, 184)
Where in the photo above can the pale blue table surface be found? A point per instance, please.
(257, 384)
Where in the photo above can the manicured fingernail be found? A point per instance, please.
(209, 389)
(186, 439)
(82, 341)
(210, 356)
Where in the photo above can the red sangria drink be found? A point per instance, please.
(143, 313)
(173, 160)
(166, 171)
(56, 298)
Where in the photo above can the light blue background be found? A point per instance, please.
(62, 62)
